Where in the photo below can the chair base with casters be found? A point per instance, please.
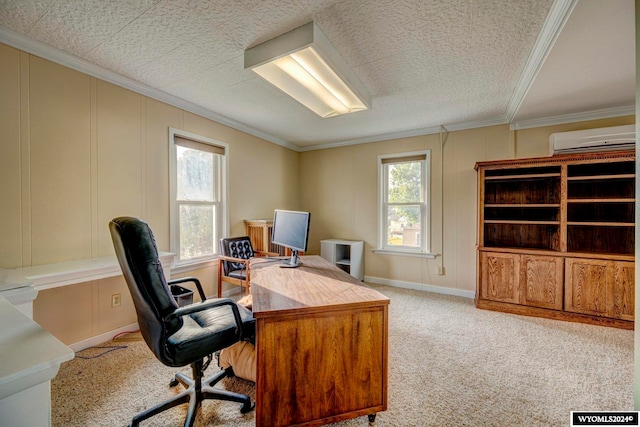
(197, 389)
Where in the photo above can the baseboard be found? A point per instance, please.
(230, 293)
(420, 287)
(99, 339)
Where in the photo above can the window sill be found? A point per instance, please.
(405, 253)
(187, 266)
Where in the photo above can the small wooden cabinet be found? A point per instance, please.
(260, 232)
(557, 236)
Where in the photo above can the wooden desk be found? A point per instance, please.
(321, 342)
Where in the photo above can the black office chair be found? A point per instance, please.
(233, 262)
(178, 336)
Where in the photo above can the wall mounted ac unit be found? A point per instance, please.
(602, 139)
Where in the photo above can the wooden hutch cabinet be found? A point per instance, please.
(556, 237)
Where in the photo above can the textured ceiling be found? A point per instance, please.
(425, 62)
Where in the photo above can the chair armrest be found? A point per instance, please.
(189, 279)
(205, 305)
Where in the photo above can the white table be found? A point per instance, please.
(30, 358)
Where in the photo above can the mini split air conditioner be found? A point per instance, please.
(602, 139)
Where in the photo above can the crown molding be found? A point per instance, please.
(606, 113)
(406, 134)
(48, 52)
(557, 18)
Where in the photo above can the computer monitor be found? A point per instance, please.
(291, 230)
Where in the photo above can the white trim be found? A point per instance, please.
(558, 16)
(102, 338)
(401, 252)
(48, 52)
(605, 113)
(420, 287)
(230, 293)
(193, 265)
(406, 134)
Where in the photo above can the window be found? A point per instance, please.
(198, 217)
(404, 202)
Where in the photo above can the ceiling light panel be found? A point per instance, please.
(303, 64)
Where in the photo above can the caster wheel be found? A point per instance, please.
(247, 407)
(174, 382)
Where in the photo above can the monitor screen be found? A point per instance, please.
(291, 229)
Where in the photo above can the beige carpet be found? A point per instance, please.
(450, 364)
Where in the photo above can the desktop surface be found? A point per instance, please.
(315, 284)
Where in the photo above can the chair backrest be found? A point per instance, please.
(236, 247)
(137, 254)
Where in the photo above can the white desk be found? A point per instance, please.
(49, 276)
(21, 285)
(30, 358)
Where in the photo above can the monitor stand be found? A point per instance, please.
(292, 262)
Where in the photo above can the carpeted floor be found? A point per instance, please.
(450, 364)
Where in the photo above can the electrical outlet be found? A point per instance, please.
(116, 299)
(441, 270)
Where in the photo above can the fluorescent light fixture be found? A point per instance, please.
(303, 64)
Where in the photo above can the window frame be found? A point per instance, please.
(174, 203)
(425, 205)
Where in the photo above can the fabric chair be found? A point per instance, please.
(178, 336)
(233, 264)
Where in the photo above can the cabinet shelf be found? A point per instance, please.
(599, 177)
(522, 205)
(601, 200)
(532, 222)
(601, 224)
(521, 177)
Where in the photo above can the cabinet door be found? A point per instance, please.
(588, 286)
(541, 281)
(623, 291)
(500, 277)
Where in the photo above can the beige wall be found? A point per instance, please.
(77, 151)
(339, 188)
